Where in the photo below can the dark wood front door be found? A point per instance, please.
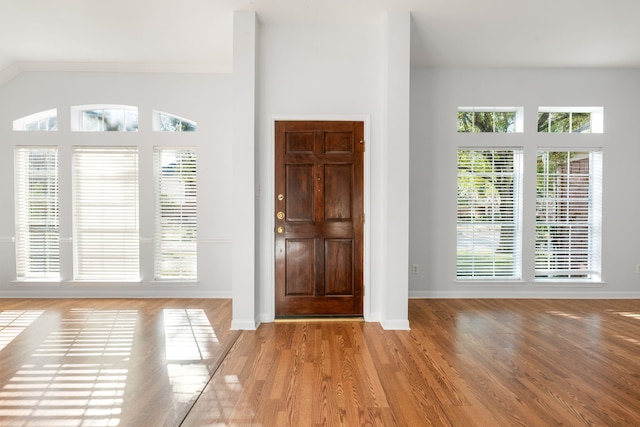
(319, 217)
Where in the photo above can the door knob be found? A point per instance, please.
(280, 230)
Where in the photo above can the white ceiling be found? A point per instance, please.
(196, 35)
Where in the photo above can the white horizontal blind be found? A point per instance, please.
(106, 233)
(569, 215)
(489, 214)
(176, 213)
(37, 213)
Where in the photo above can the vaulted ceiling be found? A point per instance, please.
(196, 35)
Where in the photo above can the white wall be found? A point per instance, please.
(334, 72)
(203, 98)
(436, 94)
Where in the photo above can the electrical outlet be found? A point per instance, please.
(415, 269)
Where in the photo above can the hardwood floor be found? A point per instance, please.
(107, 362)
(464, 363)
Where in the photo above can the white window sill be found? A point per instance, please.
(572, 283)
(108, 283)
(175, 282)
(489, 282)
(37, 282)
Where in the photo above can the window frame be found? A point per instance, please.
(46, 214)
(593, 252)
(78, 113)
(48, 117)
(518, 125)
(107, 213)
(596, 118)
(469, 268)
(171, 236)
(157, 126)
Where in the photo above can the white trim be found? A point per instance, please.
(269, 286)
(36, 282)
(105, 292)
(397, 325)
(243, 325)
(12, 71)
(215, 241)
(176, 282)
(115, 283)
(503, 293)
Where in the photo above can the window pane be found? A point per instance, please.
(581, 122)
(505, 121)
(465, 121)
(113, 120)
(37, 213)
(560, 122)
(543, 122)
(483, 121)
(131, 120)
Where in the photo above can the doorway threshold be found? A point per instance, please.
(319, 319)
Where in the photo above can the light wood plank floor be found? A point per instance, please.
(464, 363)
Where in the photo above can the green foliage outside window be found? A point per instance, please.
(564, 122)
(486, 121)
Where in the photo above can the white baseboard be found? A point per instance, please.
(122, 292)
(508, 294)
(395, 325)
(244, 325)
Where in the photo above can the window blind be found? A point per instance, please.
(37, 213)
(568, 214)
(175, 213)
(489, 214)
(106, 233)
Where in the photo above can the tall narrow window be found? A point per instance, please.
(568, 215)
(176, 214)
(489, 214)
(106, 234)
(37, 214)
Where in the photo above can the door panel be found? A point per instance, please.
(338, 184)
(300, 266)
(338, 258)
(319, 183)
(299, 181)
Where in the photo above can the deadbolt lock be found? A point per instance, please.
(280, 215)
(280, 197)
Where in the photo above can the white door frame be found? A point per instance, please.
(267, 292)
